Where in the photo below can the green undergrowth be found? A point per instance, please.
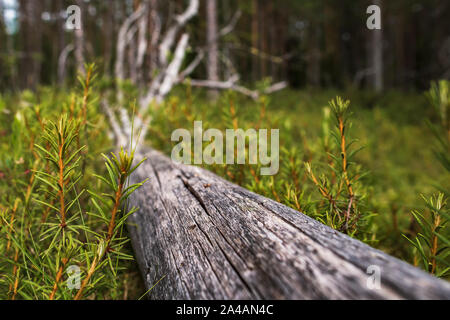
(375, 167)
(391, 165)
(63, 199)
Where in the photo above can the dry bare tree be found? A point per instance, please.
(169, 44)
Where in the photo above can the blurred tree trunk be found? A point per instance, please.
(399, 78)
(108, 45)
(333, 74)
(132, 49)
(255, 37)
(212, 40)
(263, 26)
(227, 52)
(2, 23)
(442, 40)
(314, 55)
(3, 39)
(79, 38)
(59, 35)
(375, 55)
(282, 36)
(154, 31)
(272, 28)
(30, 13)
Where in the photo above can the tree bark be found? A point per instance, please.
(207, 238)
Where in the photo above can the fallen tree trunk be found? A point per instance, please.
(210, 239)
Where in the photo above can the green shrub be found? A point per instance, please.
(60, 208)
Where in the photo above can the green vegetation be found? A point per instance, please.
(61, 210)
(364, 149)
(359, 167)
(432, 243)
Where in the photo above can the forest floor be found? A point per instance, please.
(397, 147)
(393, 169)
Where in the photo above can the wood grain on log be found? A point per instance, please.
(211, 239)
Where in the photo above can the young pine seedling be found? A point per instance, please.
(83, 231)
(338, 185)
(431, 243)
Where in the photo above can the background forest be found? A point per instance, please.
(375, 167)
(310, 43)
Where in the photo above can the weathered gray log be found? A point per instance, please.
(212, 239)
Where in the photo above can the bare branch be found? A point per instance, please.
(156, 33)
(132, 48)
(169, 71)
(126, 123)
(276, 87)
(180, 21)
(122, 42)
(231, 25)
(62, 62)
(171, 76)
(150, 95)
(201, 52)
(120, 136)
(224, 85)
(191, 67)
(231, 84)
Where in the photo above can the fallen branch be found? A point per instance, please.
(232, 85)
